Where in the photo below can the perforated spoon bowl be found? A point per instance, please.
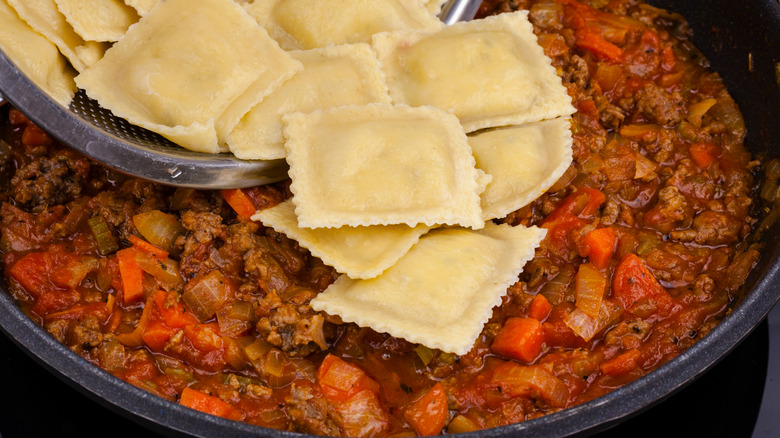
(97, 133)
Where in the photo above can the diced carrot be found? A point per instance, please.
(209, 404)
(621, 364)
(520, 339)
(704, 154)
(240, 202)
(339, 380)
(591, 39)
(428, 414)
(142, 245)
(598, 246)
(132, 275)
(540, 308)
(633, 283)
(156, 335)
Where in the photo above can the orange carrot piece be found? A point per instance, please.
(240, 202)
(339, 380)
(209, 404)
(599, 244)
(622, 363)
(590, 38)
(132, 275)
(142, 245)
(520, 339)
(428, 414)
(540, 308)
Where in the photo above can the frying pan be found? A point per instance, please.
(742, 41)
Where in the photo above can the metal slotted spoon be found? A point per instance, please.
(97, 133)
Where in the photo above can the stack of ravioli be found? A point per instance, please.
(404, 138)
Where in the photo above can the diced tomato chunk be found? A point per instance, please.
(156, 335)
(175, 315)
(32, 272)
(363, 415)
(535, 381)
(633, 283)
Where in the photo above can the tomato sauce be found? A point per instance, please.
(177, 292)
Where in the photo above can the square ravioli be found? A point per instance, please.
(441, 293)
(381, 164)
(524, 162)
(142, 6)
(44, 17)
(488, 72)
(334, 76)
(311, 24)
(35, 56)
(98, 20)
(358, 252)
(189, 71)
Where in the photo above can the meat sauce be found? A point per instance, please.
(177, 292)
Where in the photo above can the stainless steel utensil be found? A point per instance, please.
(97, 133)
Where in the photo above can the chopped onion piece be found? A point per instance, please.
(590, 289)
(644, 166)
(236, 318)
(425, 354)
(697, 110)
(586, 326)
(166, 271)
(205, 295)
(158, 228)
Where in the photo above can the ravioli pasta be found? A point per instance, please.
(44, 17)
(524, 161)
(359, 252)
(488, 72)
(442, 291)
(142, 6)
(35, 56)
(381, 164)
(98, 20)
(189, 71)
(333, 76)
(310, 24)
